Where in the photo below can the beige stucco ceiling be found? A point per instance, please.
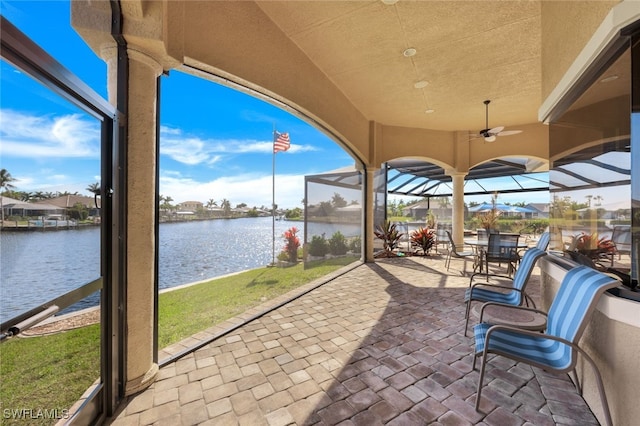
(466, 51)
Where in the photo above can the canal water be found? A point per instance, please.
(36, 267)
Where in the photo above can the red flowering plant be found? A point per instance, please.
(592, 246)
(389, 234)
(423, 238)
(292, 244)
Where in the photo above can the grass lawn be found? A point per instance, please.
(52, 372)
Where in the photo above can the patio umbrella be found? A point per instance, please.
(486, 207)
(518, 209)
(481, 208)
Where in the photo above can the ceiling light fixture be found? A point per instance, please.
(389, 2)
(608, 79)
(409, 52)
(420, 84)
(430, 111)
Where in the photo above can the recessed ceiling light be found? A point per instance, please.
(409, 52)
(608, 79)
(420, 84)
(430, 111)
(389, 2)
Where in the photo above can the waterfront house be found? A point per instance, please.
(190, 206)
(540, 210)
(69, 201)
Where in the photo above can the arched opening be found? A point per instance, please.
(245, 216)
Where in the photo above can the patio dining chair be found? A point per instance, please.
(555, 350)
(441, 235)
(514, 295)
(621, 238)
(454, 252)
(542, 243)
(501, 248)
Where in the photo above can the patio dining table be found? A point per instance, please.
(480, 245)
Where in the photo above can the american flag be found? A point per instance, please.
(280, 141)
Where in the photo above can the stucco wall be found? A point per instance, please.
(613, 344)
(276, 64)
(567, 26)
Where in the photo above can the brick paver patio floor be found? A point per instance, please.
(382, 344)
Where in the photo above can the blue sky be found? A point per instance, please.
(216, 143)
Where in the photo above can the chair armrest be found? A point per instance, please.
(520, 308)
(495, 286)
(490, 276)
(532, 333)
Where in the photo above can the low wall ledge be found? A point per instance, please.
(613, 307)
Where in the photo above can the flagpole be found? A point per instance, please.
(273, 198)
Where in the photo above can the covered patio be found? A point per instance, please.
(388, 81)
(389, 350)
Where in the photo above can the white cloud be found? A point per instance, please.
(31, 136)
(254, 190)
(193, 150)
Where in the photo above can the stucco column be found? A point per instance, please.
(141, 199)
(457, 217)
(140, 186)
(369, 201)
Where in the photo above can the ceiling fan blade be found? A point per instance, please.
(509, 132)
(496, 130)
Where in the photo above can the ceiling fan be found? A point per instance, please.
(490, 135)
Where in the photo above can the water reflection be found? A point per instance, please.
(38, 266)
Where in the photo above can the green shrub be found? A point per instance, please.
(337, 244)
(292, 242)
(355, 244)
(389, 235)
(423, 238)
(318, 246)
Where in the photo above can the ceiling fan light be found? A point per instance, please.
(490, 138)
(420, 84)
(430, 111)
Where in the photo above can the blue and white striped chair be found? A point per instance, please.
(557, 349)
(514, 295)
(543, 241)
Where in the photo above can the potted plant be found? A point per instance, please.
(489, 220)
(591, 245)
(423, 238)
(389, 235)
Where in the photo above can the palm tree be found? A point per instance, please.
(444, 202)
(212, 203)
(226, 205)
(5, 183)
(165, 202)
(94, 188)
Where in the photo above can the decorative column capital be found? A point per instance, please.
(455, 173)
